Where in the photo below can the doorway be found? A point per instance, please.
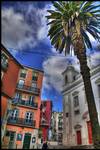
(79, 139)
(11, 135)
(27, 139)
(89, 132)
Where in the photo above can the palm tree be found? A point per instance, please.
(70, 23)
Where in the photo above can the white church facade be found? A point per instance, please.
(77, 126)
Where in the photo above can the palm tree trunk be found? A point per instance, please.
(85, 71)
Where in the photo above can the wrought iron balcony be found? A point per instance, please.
(25, 103)
(21, 122)
(29, 89)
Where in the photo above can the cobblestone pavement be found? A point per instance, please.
(72, 147)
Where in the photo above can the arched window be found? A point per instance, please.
(74, 78)
(66, 79)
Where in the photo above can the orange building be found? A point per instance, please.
(23, 122)
(9, 74)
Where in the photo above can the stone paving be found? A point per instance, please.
(72, 147)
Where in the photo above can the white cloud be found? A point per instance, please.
(53, 68)
(95, 59)
(21, 30)
(16, 33)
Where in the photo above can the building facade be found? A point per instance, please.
(45, 121)
(77, 126)
(57, 127)
(23, 121)
(10, 68)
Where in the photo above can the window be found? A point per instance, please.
(66, 79)
(76, 112)
(76, 101)
(4, 61)
(29, 116)
(31, 99)
(14, 114)
(18, 95)
(66, 114)
(33, 139)
(23, 73)
(34, 84)
(74, 78)
(35, 76)
(21, 83)
(19, 137)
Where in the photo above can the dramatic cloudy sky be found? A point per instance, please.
(24, 34)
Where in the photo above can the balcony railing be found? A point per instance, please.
(21, 122)
(28, 89)
(26, 103)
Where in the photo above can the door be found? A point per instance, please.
(31, 99)
(79, 140)
(89, 132)
(27, 139)
(14, 114)
(12, 139)
(29, 117)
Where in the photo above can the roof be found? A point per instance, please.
(33, 68)
(7, 52)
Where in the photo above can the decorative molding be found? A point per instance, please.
(75, 93)
(97, 81)
(77, 126)
(84, 116)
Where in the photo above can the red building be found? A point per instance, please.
(46, 111)
(10, 68)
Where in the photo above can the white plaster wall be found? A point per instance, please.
(96, 93)
(77, 119)
(34, 134)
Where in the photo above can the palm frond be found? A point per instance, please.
(92, 7)
(94, 34)
(58, 6)
(86, 39)
(71, 19)
(86, 5)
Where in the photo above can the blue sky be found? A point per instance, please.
(24, 34)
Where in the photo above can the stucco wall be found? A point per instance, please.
(69, 136)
